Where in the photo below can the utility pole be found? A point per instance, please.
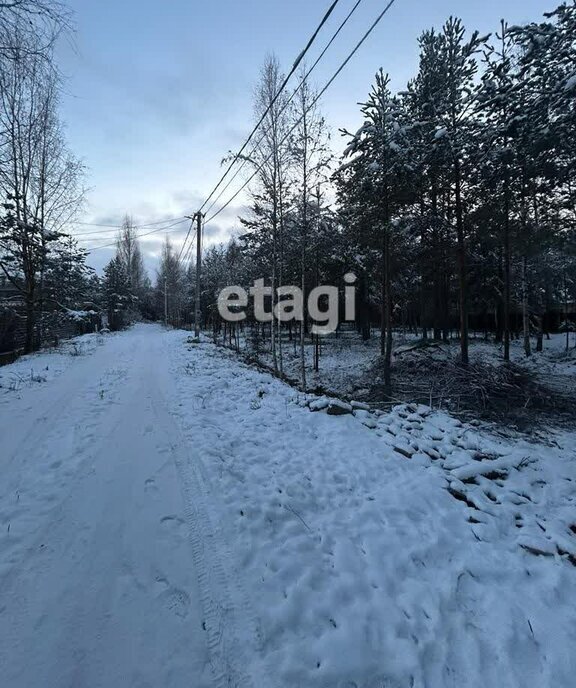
(316, 240)
(198, 218)
(166, 301)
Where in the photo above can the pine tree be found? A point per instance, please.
(117, 296)
(379, 166)
(457, 135)
(170, 286)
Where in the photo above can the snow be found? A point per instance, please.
(570, 83)
(344, 361)
(99, 586)
(77, 315)
(348, 164)
(347, 362)
(39, 368)
(173, 517)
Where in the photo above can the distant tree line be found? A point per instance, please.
(127, 293)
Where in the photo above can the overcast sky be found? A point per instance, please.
(158, 92)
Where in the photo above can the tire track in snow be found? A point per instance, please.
(224, 604)
(107, 600)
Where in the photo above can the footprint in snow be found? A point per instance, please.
(170, 521)
(173, 526)
(150, 485)
(174, 599)
(391, 683)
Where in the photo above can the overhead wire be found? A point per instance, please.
(258, 124)
(119, 225)
(316, 99)
(287, 103)
(188, 254)
(89, 237)
(293, 69)
(170, 228)
(186, 237)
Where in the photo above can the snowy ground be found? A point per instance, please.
(531, 395)
(172, 517)
(347, 362)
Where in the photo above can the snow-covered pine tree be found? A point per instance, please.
(457, 133)
(116, 294)
(377, 164)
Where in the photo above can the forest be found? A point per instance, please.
(453, 202)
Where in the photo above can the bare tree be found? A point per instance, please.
(129, 252)
(31, 27)
(310, 156)
(272, 160)
(171, 286)
(40, 181)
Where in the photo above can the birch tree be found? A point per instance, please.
(310, 159)
(271, 159)
(40, 181)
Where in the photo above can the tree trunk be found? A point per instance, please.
(566, 313)
(388, 318)
(383, 309)
(30, 323)
(540, 336)
(462, 270)
(302, 340)
(525, 314)
(273, 297)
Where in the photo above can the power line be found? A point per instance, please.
(119, 225)
(104, 234)
(316, 99)
(186, 238)
(188, 253)
(83, 237)
(287, 103)
(97, 224)
(273, 102)
(139, 236)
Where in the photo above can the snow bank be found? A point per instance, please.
(41, 367)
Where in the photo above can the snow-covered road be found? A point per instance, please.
(173, 518)
(98, 583)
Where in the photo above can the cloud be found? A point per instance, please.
(174, 207)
